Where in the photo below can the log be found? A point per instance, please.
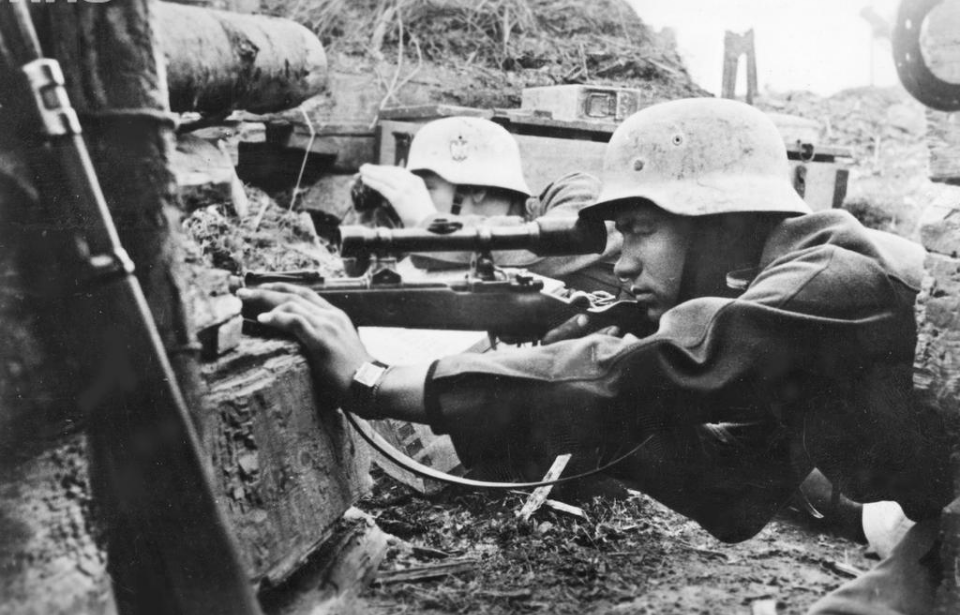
(218, 61)
(287, 464)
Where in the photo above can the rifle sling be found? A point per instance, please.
(403, 461)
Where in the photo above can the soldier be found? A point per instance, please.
(785, 343)
(469, 170)
(463, 166)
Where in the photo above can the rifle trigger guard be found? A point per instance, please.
(57, 116)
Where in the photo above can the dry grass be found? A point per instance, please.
(567, 40)
(271, 238)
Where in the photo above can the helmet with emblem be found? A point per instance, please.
(469, 151)
(697, 157)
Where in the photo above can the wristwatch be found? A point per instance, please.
(363, 387)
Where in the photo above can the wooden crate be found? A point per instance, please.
(585, 102)
(551, 148)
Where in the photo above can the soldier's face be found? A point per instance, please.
(655, 245)
(441, 191)
(474, 201)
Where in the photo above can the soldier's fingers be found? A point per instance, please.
(289, 322)
(613, 330)
(321, 319)
(257, 300)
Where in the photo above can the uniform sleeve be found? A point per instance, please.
(719, 393)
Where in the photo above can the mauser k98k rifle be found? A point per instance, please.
(507, 303)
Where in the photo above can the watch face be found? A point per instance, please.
(368, 374)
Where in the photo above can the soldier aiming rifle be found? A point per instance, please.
(785, 343)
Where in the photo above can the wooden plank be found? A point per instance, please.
(426, 573)
(330, 580)
(539, 495)
(567, 509)
(286, 466)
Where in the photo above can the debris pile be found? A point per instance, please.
(503, 45)
(272, 237)
(884, 129)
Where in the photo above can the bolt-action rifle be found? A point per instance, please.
(512, 304)
(176, 554)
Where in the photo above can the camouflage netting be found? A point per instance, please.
(504, 44)
(884, 131)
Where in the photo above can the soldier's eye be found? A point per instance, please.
(636, 227)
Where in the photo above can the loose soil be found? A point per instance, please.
(628, 556)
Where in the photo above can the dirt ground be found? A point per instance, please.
(628, 557)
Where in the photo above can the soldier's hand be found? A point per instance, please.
(329, 339)
(578, 326)
(405, 191)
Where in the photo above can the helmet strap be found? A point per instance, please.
(457, 204)
(721, 244)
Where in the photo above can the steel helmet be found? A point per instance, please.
(468, 150)
(696, 157)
